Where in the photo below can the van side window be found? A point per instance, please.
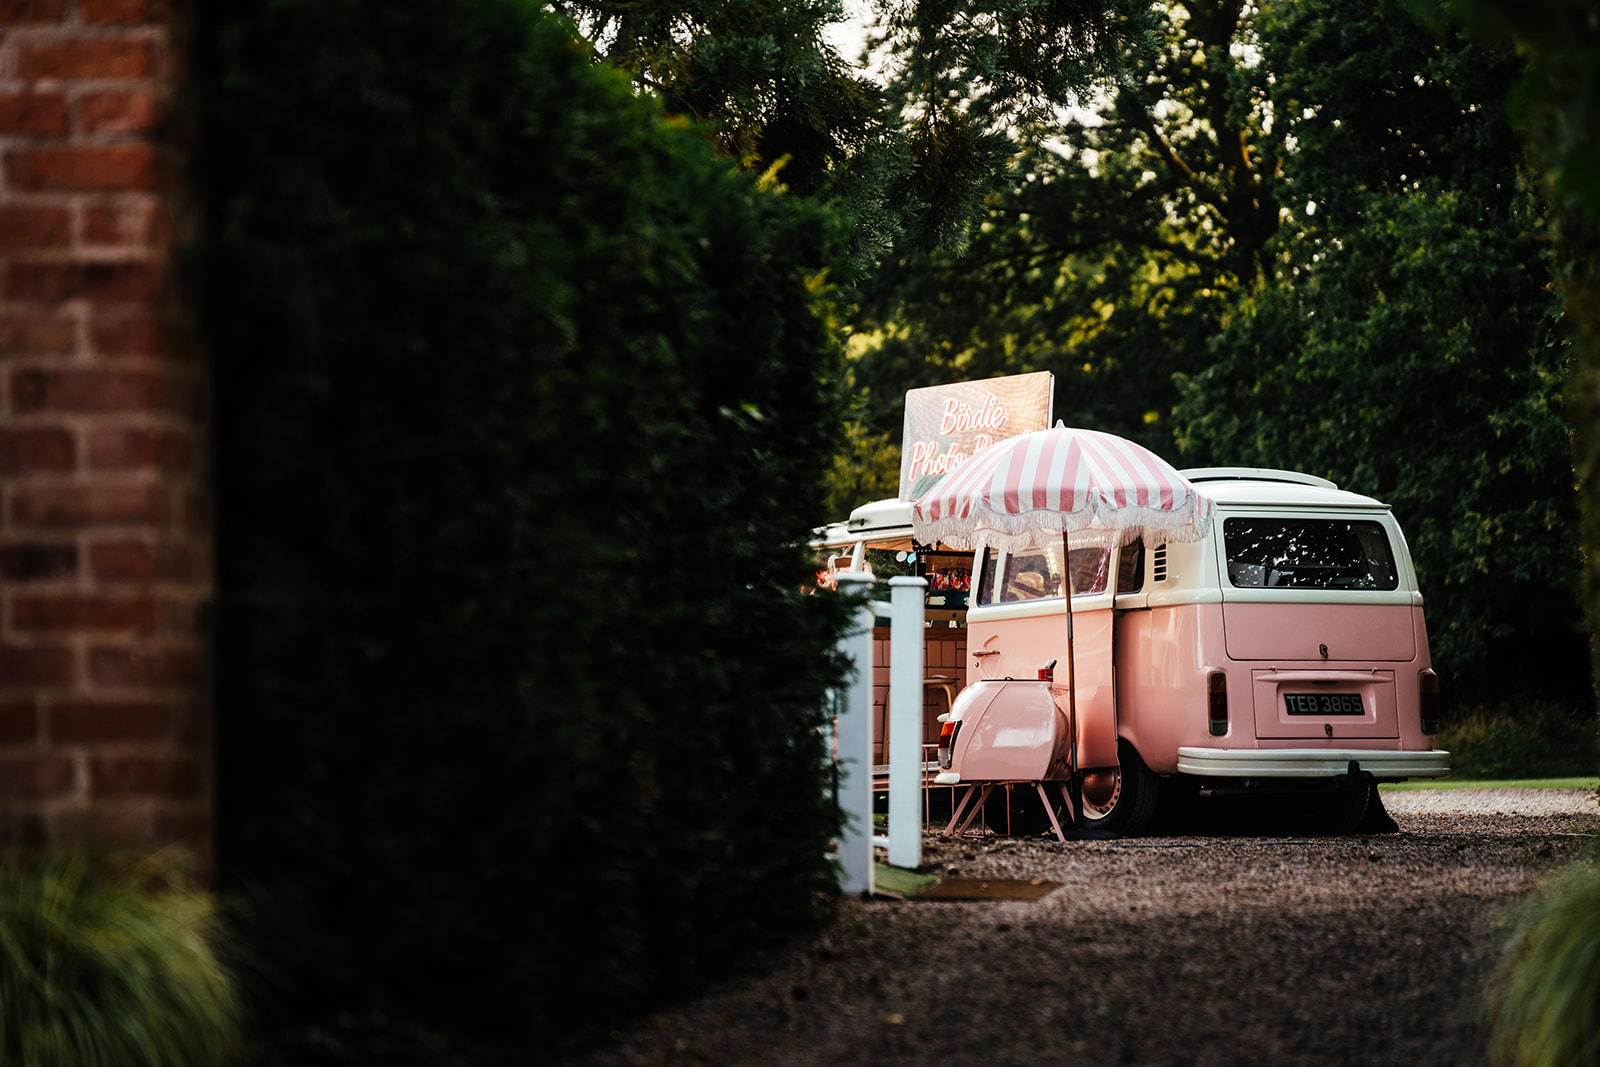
(1130, 568)
(1272, 553)
(1091, 567)
(1032, 574)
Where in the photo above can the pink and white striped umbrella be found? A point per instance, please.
(1015, 493)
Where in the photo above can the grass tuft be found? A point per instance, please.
(108, 960)
(1548, 981)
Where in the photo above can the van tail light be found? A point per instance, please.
(947, 743)
(1217, 702)
(1429, 689)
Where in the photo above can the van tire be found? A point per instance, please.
(1346, 808)
(1133, 802)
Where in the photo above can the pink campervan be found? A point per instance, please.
(1284, 652)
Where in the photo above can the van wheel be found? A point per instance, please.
(1121, 801)
(1342, 813)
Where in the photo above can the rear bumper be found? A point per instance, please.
(1309, 763)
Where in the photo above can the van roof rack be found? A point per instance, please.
(1254, 474)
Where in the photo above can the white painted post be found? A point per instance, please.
(906, 639)
(855, 748)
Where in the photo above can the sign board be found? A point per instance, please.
(947, 424)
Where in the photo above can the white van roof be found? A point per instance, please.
(1276, 488)
(882, 524)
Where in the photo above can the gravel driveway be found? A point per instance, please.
(1236, 945)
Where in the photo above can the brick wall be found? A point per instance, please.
(104, 518)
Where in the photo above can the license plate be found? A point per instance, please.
(1324, 704)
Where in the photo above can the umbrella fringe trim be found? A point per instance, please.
(1011, 532)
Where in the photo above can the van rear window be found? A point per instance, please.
(1270, 553)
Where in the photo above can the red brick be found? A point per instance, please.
(116, 111)
(118, 279)
(192, 728)
(192, 828)
(72, 506)
(135, 448)
(16, 12)
(185, 779)
(197, 513)
(44, 448)
(177, 563)
(35, 777)
(90, 721)
(84, 391)
(100, 12)
(23, 226)
(19, 721)
(115, 824)
(29, 665)
(169, 777)
(122, 561)
(136, 334)
(83, 168)
(80, 612)
(34, 114)
(124, 776)
(123, 57)
(31, 561)
(25, 830)
(116, 665)
(42, 335)
(137, 224)
(180, 616)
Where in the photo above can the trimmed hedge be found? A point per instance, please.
(522, 405)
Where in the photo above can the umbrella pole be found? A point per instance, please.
(1074, 782)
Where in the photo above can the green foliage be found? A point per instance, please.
(1114, 249)
(762, 76)
(1415, 364)
(1548, 981)
(1557, 99)
(111, 962)
(1556, 102)
(1520, 739)
(865, 468)
(522, 408)
(909, 162)
(1303, 239)
(1369, 102)
(973, 78)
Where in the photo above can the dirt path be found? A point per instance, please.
(1243, 947)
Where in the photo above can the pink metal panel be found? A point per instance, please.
(1010, 731)
(1350, 632)
(1022, 646)
(1162, 658)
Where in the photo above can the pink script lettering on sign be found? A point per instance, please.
(927, 459)
(959, 417)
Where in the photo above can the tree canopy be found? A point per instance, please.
(1305, 239)
(909, 149)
